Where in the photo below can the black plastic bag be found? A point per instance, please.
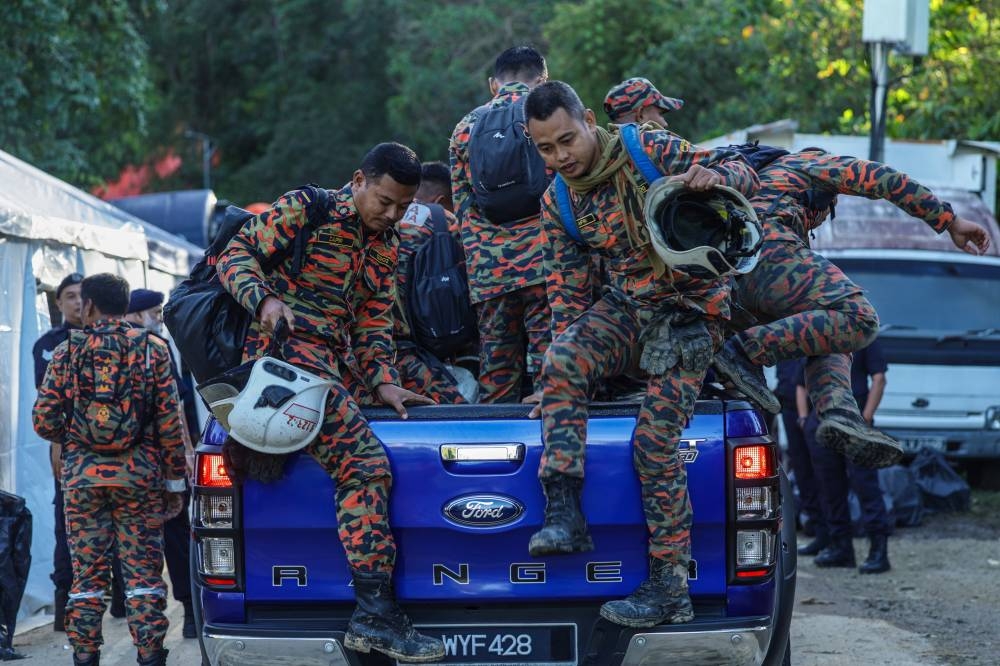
(15, 561)
(941, 486)
(907, 502)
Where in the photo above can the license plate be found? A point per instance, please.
(536, 644)
(914, 444)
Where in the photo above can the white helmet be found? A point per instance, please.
(705, 234)
(268, 405)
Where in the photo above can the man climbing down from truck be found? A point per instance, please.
(808, 306)
(338, 311)
(804, 304)
(679, 318)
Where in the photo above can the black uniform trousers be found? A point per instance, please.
(836, 477)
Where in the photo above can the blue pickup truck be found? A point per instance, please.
(272, 583)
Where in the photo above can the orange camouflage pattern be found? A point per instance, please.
(118, 344)
(128, 520)
(784, 215)
(592, 340)
(342, 302)
(568, 265)
(499, 258)
(344, 296)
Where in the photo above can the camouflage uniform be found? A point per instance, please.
(813, 308)
(633, 94)
(113, 497)
(505, 276)
(594, 340)
(418, 370)
(342, 302)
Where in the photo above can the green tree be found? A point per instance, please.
(75, 92)
(441, 57)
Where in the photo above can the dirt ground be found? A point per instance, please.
(938, 606)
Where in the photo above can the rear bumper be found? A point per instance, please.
(242, 649)
(740, 644)
(737, 642)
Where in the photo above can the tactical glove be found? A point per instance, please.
(659, 350)
(694, 345)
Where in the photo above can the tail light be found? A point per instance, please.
(216, 524)
(756, 508)
(212, 471)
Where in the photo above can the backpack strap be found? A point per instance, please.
(439, 223)
(319, 199)
(566, 214)
(633, 144)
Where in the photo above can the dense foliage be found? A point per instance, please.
(293, 91)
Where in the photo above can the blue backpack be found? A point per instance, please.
(630, 137)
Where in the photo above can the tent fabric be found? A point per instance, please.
(49, 229)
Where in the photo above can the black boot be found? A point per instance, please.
(189, 630)
(660, 599)
(815, 546)
(59, 609)
(845, 432)
(840, 553)
(878, 555)
(89, 659)
(380, 624)
(158, 658)
(734, 366)
(565, 528)
(117, 598)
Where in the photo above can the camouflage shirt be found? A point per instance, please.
(344, 295)
(568, 269)
(785, 215)
(500, 258)
(415, 229)
(144, 465)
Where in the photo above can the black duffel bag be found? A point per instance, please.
(206, 323)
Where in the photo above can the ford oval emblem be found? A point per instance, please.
(483, 510)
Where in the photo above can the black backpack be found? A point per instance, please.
(508, 174)
(756, 155)
(206, 323)
(816, 198)
(440, 312)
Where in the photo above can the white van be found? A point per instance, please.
(939, 310)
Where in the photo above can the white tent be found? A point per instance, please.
(49, 229)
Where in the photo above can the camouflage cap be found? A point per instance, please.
(633, 94)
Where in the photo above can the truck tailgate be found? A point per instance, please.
(462, 526)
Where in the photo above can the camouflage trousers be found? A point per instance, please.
(426, 376)
(514, 332)
(601, 343)
(352, 455)
(813, 310)
(98, 518)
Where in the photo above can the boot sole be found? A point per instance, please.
(764, 400)
(864, 449)
(580, 545)
(862, 570)
(675, 618)
(363, 645)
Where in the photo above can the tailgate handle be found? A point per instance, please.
(489, 452)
